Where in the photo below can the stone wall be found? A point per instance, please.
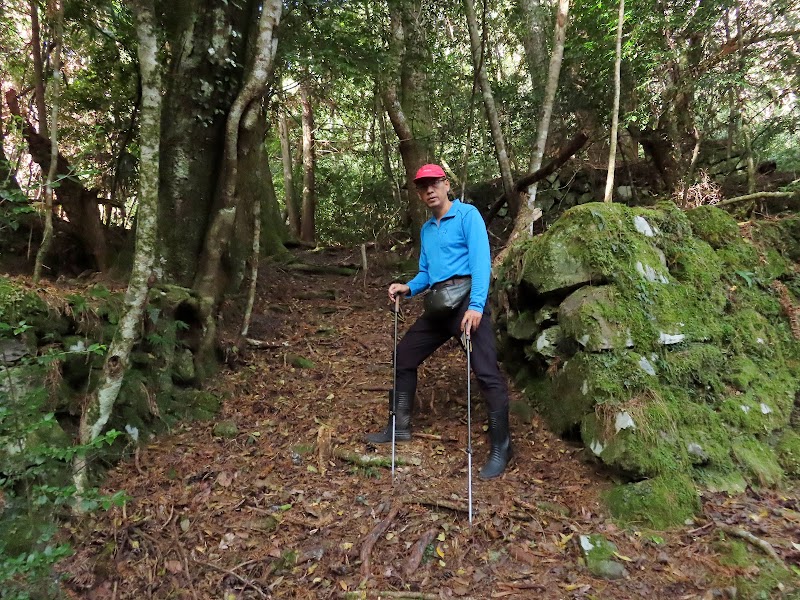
(663, 340)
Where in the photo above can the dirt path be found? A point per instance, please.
(276, 512)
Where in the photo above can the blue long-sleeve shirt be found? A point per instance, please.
(458, 245)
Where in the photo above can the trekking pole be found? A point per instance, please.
(394, 381)
(468, 347)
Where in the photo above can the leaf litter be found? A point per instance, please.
(297, 505)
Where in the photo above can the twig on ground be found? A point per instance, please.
(246, 582)
(431, 436)
(185, 559)
(393, 594)
(436, 503)
(415, 558)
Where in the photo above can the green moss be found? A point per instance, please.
(788, 453)
(765, 577)
(523, 326)
(757, 460)
(738, 255)
(713, 225)
(588, 378)
(696, 367)
(194, 404)
(661, 502)
(18, 304)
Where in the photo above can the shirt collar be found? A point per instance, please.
(454, 208)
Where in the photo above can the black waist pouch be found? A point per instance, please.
(441, 302)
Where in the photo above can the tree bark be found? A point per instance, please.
(405, 106)
(38, 69)
(612, 153)
(55, 99)
(385, 155)
(288, 177)
(308, 232)
(478, 56)
(532, 37)
(208, 44)
(100, 406)
(218, 237)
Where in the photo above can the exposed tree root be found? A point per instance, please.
(374, 535)
(418, 551)
(764, 545)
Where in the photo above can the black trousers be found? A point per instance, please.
(426, 335)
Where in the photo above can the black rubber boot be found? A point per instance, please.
(402, 432)
(501, 451)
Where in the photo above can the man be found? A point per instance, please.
(454, 246)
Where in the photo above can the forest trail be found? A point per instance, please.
(275, 511)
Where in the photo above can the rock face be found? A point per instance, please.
(658, 337)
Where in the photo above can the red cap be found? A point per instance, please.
(429, 172)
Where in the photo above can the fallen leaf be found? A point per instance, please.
(173, 566)
(623, 557)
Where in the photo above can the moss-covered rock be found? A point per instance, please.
(226, 429)
(661, 502)
(598, 554)
(713, 225)
(20, 305)
(671, 352)
(788, 453)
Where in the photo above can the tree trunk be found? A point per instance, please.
(100, 406)
(612, 153)
(205, 50)
(209, 282)
(553, 72)
(38, 69)
(532, 37)
(308, 231)
(288, 177)
(385, 155)
(79, 204)
(478, 57)
(406, 106)
(55, 99)
(528, 212)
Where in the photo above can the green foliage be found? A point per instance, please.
(36, 455)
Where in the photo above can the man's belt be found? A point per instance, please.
(451, 281)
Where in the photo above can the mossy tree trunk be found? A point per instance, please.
(210, 281)
(101, 403)
(205, 73)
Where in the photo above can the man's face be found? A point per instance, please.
(433, 191)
